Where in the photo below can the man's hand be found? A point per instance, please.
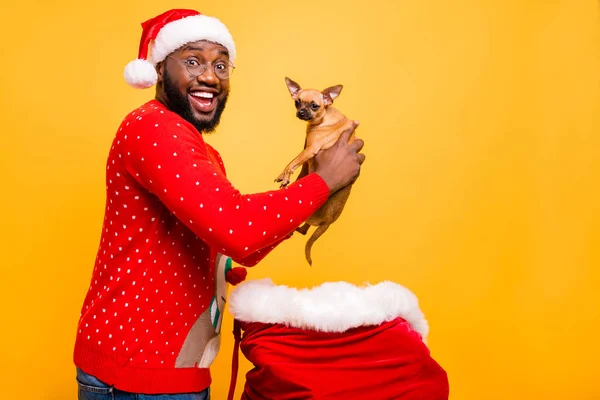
(340, 164)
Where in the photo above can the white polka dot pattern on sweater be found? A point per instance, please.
(169, 209)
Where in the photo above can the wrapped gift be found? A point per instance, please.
(336, 341)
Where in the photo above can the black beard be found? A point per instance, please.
(180, 104)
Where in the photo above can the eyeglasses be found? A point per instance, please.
(222, 69)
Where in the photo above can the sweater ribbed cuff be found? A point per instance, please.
(320, 190)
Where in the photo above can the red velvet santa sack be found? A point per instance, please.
(336, 341)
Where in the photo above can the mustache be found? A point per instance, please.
(206, 88)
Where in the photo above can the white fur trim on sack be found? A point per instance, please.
(330, 307)
(191, 29)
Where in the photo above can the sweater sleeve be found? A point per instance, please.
(256, 257)
(171, 161)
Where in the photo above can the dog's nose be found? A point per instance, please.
(302, 113)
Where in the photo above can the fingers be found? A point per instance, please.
(345, 136)
(357, 145)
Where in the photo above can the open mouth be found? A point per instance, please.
(202, 101)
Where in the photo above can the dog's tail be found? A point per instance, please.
(316, 234)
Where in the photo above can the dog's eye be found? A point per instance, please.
(297, 103)
(314, 106)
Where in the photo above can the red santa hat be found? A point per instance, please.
(166, 33)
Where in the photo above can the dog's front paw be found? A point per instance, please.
(284, 178)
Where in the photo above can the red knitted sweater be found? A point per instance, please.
(171, 218)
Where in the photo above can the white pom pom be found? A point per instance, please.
(140, 74)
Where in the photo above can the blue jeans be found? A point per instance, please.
(91, 388)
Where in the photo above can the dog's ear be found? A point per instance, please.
(331, 93)
(293, 87)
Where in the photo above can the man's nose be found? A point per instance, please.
(208, 76)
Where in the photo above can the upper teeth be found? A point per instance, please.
(203, 94)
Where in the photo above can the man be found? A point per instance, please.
(173, 221)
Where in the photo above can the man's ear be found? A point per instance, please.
(160, 69)
(293, 87)
(331, 93)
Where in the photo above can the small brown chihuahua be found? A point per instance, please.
(325, 125)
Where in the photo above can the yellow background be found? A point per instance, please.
(480, 191)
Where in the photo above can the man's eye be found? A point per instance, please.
(221, 67)
(192, 63)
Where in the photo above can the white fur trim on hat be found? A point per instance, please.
(140, 74)
(191, 29)
(330, 307)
